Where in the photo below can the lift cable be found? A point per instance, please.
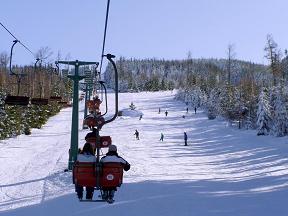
(18, 40)
(34, 55)
(104, 38)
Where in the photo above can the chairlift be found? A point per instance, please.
(16, 99)
(93, 121)
(93, 105)
(55, 98)
(96, 174)
(64, 103)
(39, 101)
(105, 141)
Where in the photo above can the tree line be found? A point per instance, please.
(40, 80)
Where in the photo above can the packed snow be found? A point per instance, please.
(223, 171)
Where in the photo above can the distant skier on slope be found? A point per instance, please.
(166, 113)
(161, 137)
(185, 138)
(136, 134)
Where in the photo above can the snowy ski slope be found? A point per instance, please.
(223, 171)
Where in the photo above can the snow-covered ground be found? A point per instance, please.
(223, 171)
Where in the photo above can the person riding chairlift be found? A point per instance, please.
(91, 138)
(112, 156)
(86, 155)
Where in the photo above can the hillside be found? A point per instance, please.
(155, 74)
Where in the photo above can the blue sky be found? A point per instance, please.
(145, 28)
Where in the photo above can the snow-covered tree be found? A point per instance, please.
(279, 113)
(263, 114)
(212, 105)
(228, 104)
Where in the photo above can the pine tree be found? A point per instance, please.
(263, 114)
(212, 105)
(280, 114)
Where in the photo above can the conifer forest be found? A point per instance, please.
(247, 95)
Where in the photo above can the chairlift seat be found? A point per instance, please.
(108, 174)
(112, 175)
(90, 122)
(105, 141)
(39, 101)
(55, 98)
(84, 174)
(64, 103)
(92, 105)
(17, 100)
(94, 121)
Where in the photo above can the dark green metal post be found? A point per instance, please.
(86, 98)
(89, 91)
(75, 112)
(74, 129)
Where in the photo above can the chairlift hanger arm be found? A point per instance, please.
(110, 59)
(35, 64)
(105, 90)
(57, 66)
(11, 56)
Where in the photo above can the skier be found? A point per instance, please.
(166, 113)
(161, 137)
(136, 134)
(140, 117)
(86, 155)
(185, 138)
(187, 109)
(159, 111)
(195, 109)
(112, 156)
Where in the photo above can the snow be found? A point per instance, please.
(131, 113)
(223, 171)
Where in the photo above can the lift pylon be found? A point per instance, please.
(75, 111)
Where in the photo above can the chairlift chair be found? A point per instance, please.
(96, 174)
(105, 141)
(17, 100)
(12, 99)
(55, 98)
(39, 101)
(99, 176)
(63, 102)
